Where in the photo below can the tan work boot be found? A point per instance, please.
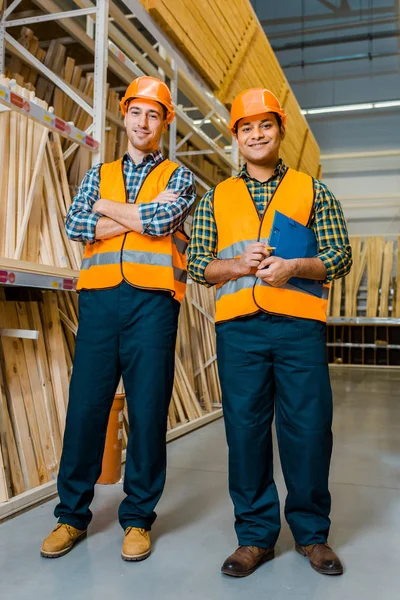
(61, 540)
(137, 544)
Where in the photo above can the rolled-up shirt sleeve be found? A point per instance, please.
(203, 242)
(80, 223)
(160, 219)
(330, 229)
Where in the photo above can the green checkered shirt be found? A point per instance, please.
(327, 222)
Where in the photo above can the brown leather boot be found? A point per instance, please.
(322, 558)
(61, 540)
(245, 560)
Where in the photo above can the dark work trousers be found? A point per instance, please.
(277, 364)
(130, 332)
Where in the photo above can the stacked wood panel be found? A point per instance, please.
(225, 43)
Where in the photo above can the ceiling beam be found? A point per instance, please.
(289, 33)
(345, 39)
(379, 10)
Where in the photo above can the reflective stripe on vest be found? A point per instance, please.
(142, 260)
(249, 281)
(238, 225)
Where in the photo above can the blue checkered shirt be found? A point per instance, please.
(157, 219)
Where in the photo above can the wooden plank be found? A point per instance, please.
(9, 264)
(353, 279)
(337, 297)
(11, 204)
(55, 349)
(375, 246)
(42, 360)
(387, 269)
(4, 171)
(13, 471)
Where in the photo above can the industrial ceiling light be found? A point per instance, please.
(350, 107)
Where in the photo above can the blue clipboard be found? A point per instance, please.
(292, 240)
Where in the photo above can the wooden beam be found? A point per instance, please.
(237, 60)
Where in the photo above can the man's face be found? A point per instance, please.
(259, 138)
(144, 122)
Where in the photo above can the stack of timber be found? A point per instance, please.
(374, 259)
(79, 159)
(34, 190)
(34, 379)
(226, 44)
(35, 373)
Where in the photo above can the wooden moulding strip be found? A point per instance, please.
(237, 60)
(375, 247)
(10, 264)
(31, 195)
(55, 349)
(386, 278)
(49, 490)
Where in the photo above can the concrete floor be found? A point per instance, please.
(194, 531)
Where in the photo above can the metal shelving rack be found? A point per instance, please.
(120, 47)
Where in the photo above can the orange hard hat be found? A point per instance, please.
(254, 101)
(149, 88)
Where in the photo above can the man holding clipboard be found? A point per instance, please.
(271, 239)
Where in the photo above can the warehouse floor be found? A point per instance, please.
(194, 532)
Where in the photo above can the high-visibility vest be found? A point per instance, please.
(144, 261)
(239, 224)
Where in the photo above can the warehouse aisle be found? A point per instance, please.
(194, 532)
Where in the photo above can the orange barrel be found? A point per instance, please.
(112, 457)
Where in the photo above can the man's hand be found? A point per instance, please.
(251, 258)
(100, 206)
(166, 196)
(276, 271)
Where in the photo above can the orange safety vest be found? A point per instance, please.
(144, 261)
(239, 224)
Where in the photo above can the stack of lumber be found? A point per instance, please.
(225, 43)
(34, 379)
(373, 263)
(56, 59)
(35, 191)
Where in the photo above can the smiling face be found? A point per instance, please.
(259, 138)
(145, 122)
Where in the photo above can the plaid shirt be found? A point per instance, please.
(157, 219)
(327, 222)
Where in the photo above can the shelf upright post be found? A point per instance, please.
(173, 127)
(100, 78)
(235, 155)
(2, 42)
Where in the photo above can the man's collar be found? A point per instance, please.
(279, 171)
(154, 157)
